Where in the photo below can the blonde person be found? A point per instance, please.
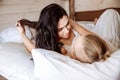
(54, 31)
(86, 46)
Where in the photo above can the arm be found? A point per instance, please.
(27, 42)
(80, 29)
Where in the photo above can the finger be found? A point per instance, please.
(18, 24)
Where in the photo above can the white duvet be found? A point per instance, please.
(15, 63)
(50, 65)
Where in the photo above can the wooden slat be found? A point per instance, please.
(12, 18)
(8, 9)
(13, 10)
(71, 9)
(90, 15)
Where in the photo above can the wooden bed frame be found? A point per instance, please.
(85, 15)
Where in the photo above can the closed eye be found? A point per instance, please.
(60, 29)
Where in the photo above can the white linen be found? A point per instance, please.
(50, 65)
(108, 27)
(11, 34)
(15, 63)
(87, 24)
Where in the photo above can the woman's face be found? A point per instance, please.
(64, 28)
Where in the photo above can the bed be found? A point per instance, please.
(17, 64)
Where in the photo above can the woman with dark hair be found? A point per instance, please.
(47, 30)
(54, 31)
(46, 27)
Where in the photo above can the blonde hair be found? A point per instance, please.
(95, 48)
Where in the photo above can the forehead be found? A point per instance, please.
(63, 21)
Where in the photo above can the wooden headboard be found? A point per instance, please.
(85, 15)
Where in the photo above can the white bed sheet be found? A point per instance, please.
(15, 63)
(11, 34)
(51, 65)
(87, 24)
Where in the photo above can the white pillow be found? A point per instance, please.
(87, 24)
(108, 27)
(50, 65)
(15, 63)
(11, 34)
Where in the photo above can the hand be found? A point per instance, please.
(71, 22)
(20, 27)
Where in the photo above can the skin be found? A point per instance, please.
(27, 42)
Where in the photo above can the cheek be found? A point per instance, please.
(79, 50)
(80, 55)
(60, 34)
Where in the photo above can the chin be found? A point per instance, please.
(66, 37)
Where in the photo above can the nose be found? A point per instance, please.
(66, 30)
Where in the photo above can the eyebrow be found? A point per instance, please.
(65, 25)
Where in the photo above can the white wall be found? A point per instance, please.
(13, 10)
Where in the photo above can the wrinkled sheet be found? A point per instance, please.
(50, 65)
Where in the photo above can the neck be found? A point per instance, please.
(69, 40)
